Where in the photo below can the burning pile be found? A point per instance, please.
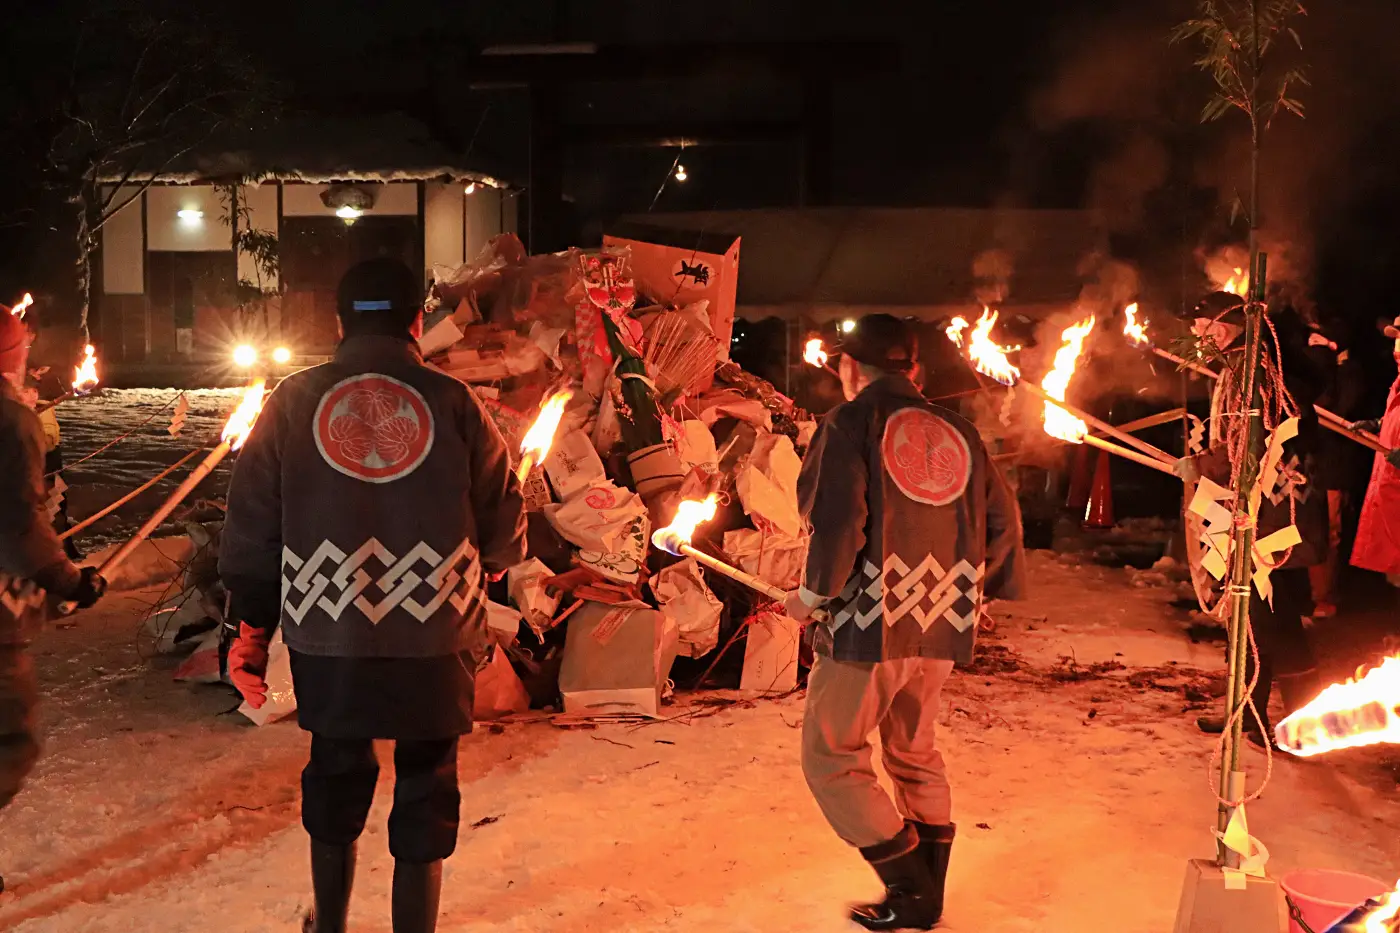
(615, 388)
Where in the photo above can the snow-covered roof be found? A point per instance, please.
(320, 150)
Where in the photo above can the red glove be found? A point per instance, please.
(247, 664)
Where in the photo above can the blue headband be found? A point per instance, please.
(371, 305)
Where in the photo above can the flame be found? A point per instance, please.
(534, 446)
(690, 514)
(814, 354)
(1135, 329)
(955, 329)
(1363, 711)
(240, 423)
(1386, 917)
(1237, 284)
(85, 373)
(989, 358)
(1058, 422)
(23, 305)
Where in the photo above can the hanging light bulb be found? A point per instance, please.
(470, 189)
(680, 172)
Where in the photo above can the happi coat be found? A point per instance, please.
(1377, 544)
(912, 528)
(370, 498)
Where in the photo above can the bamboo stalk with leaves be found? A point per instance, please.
(1243, 45)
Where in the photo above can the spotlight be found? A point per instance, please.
(281, 356)
(847, 326)
(244, 355)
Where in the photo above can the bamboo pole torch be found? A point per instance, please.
(236, 431)
(103, 513)
(675, 539)
(1098, 424)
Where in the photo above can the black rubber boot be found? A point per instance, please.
(911, 901)
(936, 847)
(332, 876)
(417, 890)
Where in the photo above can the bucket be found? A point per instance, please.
(1325, 897)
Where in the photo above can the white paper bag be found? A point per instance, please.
(609, 525)
(525, 583)
(502, 622)
(770, 654)
(684, 597)
(281, 699)
(573, 465)
(695, 446)
(774, 558)
(767, 483)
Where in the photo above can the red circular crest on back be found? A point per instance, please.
(928, 459)
(373, 427)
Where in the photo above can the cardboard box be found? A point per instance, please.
(616, 661)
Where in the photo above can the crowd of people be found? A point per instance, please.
(893, 487)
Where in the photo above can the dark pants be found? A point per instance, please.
(1284, 651)
(337, 789)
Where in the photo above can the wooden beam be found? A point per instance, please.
(525, 66)
(682, 135)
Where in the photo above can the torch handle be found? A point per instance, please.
(206, 467)
(108, 510)
(196, 476)
(1196, 368)
(739, 576)
(1336, 424)
(1132, 455)
(1156, 453)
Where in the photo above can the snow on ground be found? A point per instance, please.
(90, 423)
(1081, 791)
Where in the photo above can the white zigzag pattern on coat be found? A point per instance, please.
(331, 569)
(908, 591)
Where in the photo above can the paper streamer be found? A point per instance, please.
(1253, 853)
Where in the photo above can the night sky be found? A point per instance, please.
(1072, 103)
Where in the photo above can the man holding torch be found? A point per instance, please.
(33, 567)
(912, 527)
(371, 496)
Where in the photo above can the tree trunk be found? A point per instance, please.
(87, 205)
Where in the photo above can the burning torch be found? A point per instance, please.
(22, 305)
(535, 445)
(1072, 424)
(1062, 420)
(675, 539)
(1362, 711)
(814, 354)
(236, 431)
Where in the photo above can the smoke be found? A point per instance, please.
(1114, 127)
(992, 270)
(1109, 285)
